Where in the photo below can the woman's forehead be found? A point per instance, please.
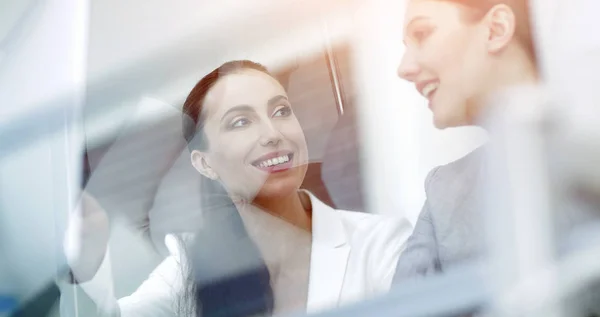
(430, 8)
(247, 87)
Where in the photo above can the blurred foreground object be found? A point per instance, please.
(86, 239)
(536, 213)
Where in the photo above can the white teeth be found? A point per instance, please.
(274, 161)
(429, 89)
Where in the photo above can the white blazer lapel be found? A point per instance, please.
(329, 257)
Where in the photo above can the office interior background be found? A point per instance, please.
(92, 92)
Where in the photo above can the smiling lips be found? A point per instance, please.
(274, 162)
(428, 88)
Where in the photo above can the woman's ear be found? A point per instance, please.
(200, 163)
(501, 24)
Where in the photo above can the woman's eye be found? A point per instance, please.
(242, 122)
(283, 111)
(420, 35)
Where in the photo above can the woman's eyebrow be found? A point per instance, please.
(410, 24)
(239, 108)
(415, 20)
(276, 99)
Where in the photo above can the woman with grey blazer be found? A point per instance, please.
(452, 48)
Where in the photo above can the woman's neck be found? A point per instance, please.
(516, 69)
(294, 209)
(510, 75)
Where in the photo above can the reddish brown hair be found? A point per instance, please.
(523, 28)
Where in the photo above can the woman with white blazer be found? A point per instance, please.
(265, 246)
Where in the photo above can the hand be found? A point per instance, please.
(86, 238)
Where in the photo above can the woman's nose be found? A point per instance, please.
(270, 135)
(408, 68)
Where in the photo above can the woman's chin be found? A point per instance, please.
(277, 189)
(440, 122)
(448, 117)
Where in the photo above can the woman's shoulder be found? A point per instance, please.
(177, 244)
(362, 220)
(456, 174)
(377, 241)
(357, 217)
(364, 227)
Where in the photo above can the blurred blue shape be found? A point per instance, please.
(8, 304)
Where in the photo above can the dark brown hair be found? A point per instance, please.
(523, 28)
(193, 116)
(211, 287)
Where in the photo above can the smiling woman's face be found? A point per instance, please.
(256, 146)
(447, 59)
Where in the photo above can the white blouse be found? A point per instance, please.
(353, 256)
